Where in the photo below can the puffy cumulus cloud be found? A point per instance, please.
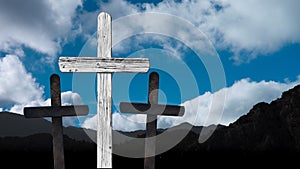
(17, 86)
(38, 24)
(18, 89)
(121, 122)
(240, 98)
(90, 123)
(256, 27)
(67, 98)
(125, 122)
(118, 8)
(131, 30)
(140, 42)
(208, 108)
(70, 98)
(88, 19)
(232, 25)
(235, 25)
(246, 28)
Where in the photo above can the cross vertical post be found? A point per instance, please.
(57, 127)
(104, 127)
(56, 111)
(152, 110)
(151, 124)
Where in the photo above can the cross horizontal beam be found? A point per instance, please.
(103, 65)
(151, 109)
(55, 111)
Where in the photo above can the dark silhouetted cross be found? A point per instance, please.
(56, 111)
(152, 110)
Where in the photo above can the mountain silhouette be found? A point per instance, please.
(269, 135)
(267, 127)
(16, 125)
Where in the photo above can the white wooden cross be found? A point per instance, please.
(104, 65)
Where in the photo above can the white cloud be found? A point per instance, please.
(235, 25)
(240, 98)
(246, 28)
(90, 123)
(67, 98)
(121, 122)
(125, 122)
(118, 8)
(44, 25)
(256, 27)
(17, 86)
(70, 98)
(125, 27)
(38, 24)
(18, 89)
(88, 19)
(140, 42)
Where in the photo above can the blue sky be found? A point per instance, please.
(258, 51)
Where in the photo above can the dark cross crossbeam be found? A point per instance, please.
(56, 111)
(152, 110)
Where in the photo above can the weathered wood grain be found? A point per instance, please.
(150, 142)
(153, 109)
(55, 111)
(57, 127)
(104, 127)
(103, 65)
